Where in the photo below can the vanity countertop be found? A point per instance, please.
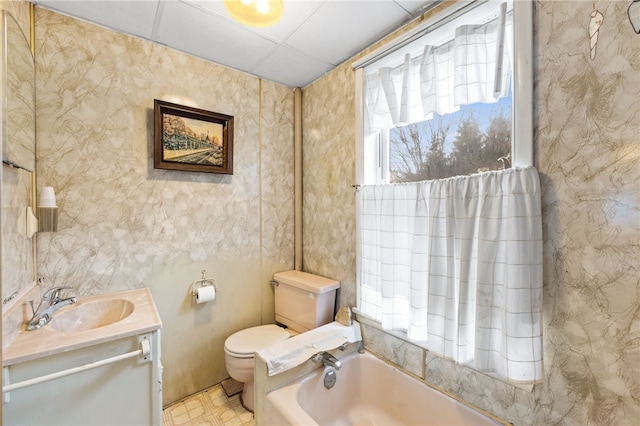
(27, 345)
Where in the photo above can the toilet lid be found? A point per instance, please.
(247, 342)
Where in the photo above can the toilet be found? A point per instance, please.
(302, 301)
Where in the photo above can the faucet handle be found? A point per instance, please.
(327, 359)
(53, 293)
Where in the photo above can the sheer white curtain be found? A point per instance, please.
(441, 78)
(457, 263)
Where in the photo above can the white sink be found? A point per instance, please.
(90, 314)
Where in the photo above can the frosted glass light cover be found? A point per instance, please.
(47, 197)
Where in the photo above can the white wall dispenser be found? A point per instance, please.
(47, 210)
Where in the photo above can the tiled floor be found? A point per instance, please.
(209, 407)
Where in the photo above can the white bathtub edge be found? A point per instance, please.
(281, 405)
(439, 389)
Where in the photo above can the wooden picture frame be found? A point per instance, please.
(192, 139)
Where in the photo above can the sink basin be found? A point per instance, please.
(91, 321)
(89, 315)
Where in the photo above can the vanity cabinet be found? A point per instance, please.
(97, 362)
(125, 392)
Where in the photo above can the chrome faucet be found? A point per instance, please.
(327, 360)
(53, 299)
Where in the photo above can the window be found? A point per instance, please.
(442, 102)
(454, 263)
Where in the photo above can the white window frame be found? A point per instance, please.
(522, 92)
(376, 148)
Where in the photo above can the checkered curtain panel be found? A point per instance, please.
(457, 264)
(440, 79)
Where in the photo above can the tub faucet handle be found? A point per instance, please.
(327, 360)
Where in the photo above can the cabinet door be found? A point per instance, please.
(122, 393)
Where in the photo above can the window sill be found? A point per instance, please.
(363, 319)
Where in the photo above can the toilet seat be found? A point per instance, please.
(245, 343)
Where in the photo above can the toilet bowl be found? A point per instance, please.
(239, 352)
(302, 301)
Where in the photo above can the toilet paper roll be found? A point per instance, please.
(205, 294)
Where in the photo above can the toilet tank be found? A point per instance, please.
(304, 301)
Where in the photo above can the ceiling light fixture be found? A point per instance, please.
(255, 13)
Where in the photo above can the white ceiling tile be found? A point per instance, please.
(202, 34)
(340, 29)
(415, 7)
(291, 68)
(131, 17)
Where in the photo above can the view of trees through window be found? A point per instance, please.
(474, 139)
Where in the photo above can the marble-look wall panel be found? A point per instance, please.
(17, 249)
(19, 9)
(328, 175)
(588, 138)
(123, 224)
(15, 192)
(587, 150)
(277, 186)
(19, 103)
(398, 351)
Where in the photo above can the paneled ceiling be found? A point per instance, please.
(312, 38)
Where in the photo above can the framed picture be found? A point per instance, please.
(192, 139)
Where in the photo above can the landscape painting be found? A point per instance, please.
(191, 139)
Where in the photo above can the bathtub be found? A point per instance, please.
(368, 391)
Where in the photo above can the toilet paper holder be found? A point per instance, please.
(204, 282)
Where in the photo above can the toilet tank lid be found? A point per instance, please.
(306, 281)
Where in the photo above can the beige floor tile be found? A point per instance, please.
(210, 407)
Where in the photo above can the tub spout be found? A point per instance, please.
(327, 360)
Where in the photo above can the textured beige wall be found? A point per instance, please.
(19, 9)
(124, 224)
(15, 194)
(328, 175)
(588, 154)
(16, 185)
